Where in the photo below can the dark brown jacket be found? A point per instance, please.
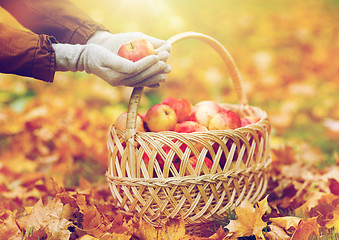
(31, 54)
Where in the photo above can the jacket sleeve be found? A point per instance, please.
(59, 18)
(26, 54)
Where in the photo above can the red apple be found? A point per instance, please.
(247, 120)
(225, 120)
(136, 49)
(161, 117)
(189, 126)
(181, 106)
(193, 161)
(203, 112)
(120, 122)
(223, 109)
(143, 116)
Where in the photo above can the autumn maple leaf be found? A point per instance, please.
(47, 217)
(306, 228)
(8, 228)
(249, 221)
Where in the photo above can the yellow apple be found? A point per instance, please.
(161, 117)
(120, 122)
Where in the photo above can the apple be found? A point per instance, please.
(203, 112)
(161, 117)
(193, 161)
(181, 106)
(223, 109)
(143, 116)
(189, 126)
(120, 122)
(247, 120)
(225, 120)
(136, 49)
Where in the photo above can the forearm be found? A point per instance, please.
(61, 19)
(26, 54)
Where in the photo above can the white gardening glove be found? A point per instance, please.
(113, 42)
(115, 70)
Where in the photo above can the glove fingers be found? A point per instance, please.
(125, 66)
(152, 82)
(165, 47)
(160, 67)
(163, 56)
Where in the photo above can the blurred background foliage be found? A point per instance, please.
(286, 50)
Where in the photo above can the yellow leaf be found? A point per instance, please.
(249, 221)
(334, 222)
(173, 230)
(287, 223)
(88, 237)
(121, 236)
(276, 233)
(21, 164)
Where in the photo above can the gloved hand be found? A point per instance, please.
(107, 65)
(113, 42)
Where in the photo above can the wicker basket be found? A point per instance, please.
(158, 193)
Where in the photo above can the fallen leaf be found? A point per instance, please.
(220, 234)
(9, 229)
(249, 221)
(287, 223)
(88, 237)
(310, 203)
(305, 229)
(172, 230)
(47, 217)
(120, 236)
(334, 222)
(92, 219)
(276, 233)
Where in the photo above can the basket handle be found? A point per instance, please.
(134, 101)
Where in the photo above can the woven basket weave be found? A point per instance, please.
(158, 192)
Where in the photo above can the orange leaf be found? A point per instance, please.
(92, 220)
(306, 227)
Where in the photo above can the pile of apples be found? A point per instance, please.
(177, 114)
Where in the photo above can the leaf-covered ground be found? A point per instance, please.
(53, 153)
